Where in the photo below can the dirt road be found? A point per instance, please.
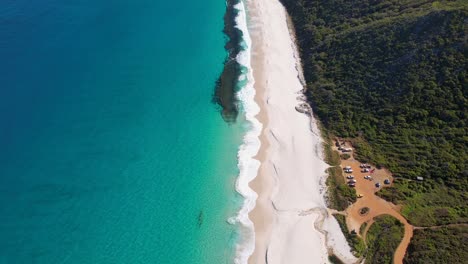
(377, 206)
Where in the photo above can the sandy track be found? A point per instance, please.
(377, 205)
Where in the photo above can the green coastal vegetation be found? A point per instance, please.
(335, 260)
(356, 243)
(438, 246)
(340, 194)
(428, 203)
(391, 77)
(382, 239)
(362, 228)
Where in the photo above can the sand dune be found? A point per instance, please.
(290, 211)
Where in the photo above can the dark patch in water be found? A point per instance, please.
(200, 219)
(226, 85)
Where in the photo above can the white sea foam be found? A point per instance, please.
(248, 166)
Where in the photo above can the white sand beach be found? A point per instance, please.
(290, 217)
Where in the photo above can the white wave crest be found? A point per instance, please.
(248, 166)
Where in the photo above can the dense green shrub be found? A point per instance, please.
(383, 237)
(442, 245)
(392, 74)
(340, 195)
(345, 156)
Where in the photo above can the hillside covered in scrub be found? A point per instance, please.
(391, 76)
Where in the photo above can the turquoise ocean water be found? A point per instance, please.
(110, 148)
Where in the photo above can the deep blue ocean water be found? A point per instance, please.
(110, 148)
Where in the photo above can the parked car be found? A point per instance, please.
(377, 185)
(387, 181)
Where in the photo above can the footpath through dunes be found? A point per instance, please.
(366, 188)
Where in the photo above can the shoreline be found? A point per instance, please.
(290, 218)
(247, 163)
